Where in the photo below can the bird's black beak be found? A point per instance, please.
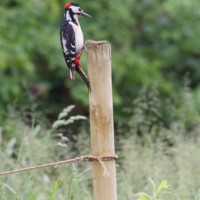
(85, 15)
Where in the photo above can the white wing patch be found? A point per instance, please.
(64, 45)
(72, 46)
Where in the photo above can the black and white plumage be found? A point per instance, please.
(72, 41)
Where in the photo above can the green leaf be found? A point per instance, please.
(143, 196)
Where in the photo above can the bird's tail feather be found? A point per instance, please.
(72, 73)
(83, 76)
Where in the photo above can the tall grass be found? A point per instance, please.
(161, 152)
(23, 146)
(178, 164)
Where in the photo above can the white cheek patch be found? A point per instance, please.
(75, 9)
(68, 16)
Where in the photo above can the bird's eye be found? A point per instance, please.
(79, 9)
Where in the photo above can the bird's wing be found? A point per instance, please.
(67, 38)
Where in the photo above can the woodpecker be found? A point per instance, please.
(72, 42)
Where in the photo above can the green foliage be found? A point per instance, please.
(30, 146)
(145, 113)
(177, 164)
(23, 146)
(157, 191)
(152, 41)
(30, 55)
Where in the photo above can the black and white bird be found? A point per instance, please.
(72, 41)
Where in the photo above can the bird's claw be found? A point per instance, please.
(84, 48)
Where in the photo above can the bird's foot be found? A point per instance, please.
(84, 49)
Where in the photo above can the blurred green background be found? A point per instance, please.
(156, 86)
(153, 42)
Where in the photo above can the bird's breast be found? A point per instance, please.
(79, 41)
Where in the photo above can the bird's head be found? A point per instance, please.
(75, 10)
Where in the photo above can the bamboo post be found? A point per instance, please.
(101, 118)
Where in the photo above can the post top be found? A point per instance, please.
(95, 43)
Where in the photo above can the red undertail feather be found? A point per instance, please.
(77, 60)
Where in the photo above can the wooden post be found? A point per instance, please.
(101, 118)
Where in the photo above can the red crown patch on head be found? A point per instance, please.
(67, 5)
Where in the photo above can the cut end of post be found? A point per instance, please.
(95, 43)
